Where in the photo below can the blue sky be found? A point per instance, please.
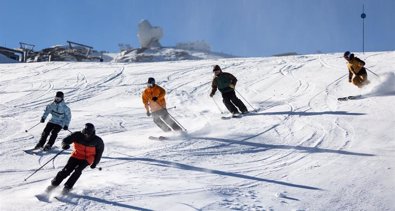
(239, 27)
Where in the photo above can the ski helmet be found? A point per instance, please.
(346, 54)
(89, 129)
(151, 80)
(216, 68)
(59, 94)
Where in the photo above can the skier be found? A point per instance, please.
(226, 83)
(88, 150)
(154, 99)
(357, 72)
(61, 117)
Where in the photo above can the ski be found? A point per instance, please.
(351, 97)
(67, 197)
(232, 116)
(32, 151)
(160, 138)
(46, 196)
(64, 199)
(41, 151)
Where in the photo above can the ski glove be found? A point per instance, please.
(148, 113)
(155, 99)
(65, 146)
(42, 120)
(93, 166)
(65, 127)
(232, 86)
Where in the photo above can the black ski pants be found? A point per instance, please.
(231, 102)
(49, 128)
(164, 121)
(73, 164)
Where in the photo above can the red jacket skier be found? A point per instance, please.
(88, 150)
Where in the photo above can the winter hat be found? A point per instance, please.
(346, 54)
(216, 67)
(151, 80)
(59, 94)
(89, 129)
(351, 56)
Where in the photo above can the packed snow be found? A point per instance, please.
(302, 149)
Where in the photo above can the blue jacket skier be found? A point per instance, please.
(60, 118)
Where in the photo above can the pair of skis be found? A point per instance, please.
(40, 151)
(235, 116)
(49, 195)
(231, 117)
(158, 138)
(352, 97)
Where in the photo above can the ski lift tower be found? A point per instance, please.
(363, 16)
(27, 49)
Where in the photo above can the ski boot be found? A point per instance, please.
(47, 147)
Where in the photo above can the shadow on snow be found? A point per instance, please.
(280, 146)
(171, 164)
(305, 113)
(112, 203)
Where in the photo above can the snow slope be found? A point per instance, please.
(303, 150)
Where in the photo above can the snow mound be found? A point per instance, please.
(385, 86)
(164, 54)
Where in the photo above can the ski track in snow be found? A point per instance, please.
(256, 162)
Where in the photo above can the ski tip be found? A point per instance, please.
(43, 197)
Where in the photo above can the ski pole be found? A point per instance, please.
(372, 72)
(174, 119)
(171, 108)
(32, 127)
(255, 110)
(217, 106)
(44, 165)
